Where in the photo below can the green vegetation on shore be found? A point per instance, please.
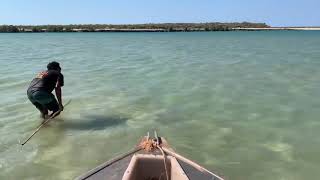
(164, 27)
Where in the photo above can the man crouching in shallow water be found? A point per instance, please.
(40, 88)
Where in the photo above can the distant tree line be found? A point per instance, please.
(12, 29)
(167, 27)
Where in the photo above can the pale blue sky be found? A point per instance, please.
(273, 12)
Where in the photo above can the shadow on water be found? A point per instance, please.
(94, 122)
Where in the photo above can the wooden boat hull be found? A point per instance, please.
(138, 164)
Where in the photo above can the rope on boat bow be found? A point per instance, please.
(164, 161)
(151, 144)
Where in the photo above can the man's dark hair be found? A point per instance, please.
(53, 66)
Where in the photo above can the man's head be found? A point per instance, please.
(54, 66)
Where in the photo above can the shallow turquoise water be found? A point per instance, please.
(243, 104)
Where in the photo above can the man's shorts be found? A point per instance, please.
(43, 100)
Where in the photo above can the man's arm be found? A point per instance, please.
(58, 94)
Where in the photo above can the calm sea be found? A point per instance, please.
(242, 104)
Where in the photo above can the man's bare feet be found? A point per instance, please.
(54, 114)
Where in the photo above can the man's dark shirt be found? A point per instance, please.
(46, 81)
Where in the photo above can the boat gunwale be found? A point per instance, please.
(190, 162)
(106, 164)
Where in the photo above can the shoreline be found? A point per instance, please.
(200, 29)
(174, 30)
(150, 27)
(163, 27)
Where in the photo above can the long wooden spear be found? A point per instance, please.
(45, 122)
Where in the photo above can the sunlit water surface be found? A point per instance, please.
(243, 104)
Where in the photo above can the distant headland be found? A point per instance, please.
(163, 27)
